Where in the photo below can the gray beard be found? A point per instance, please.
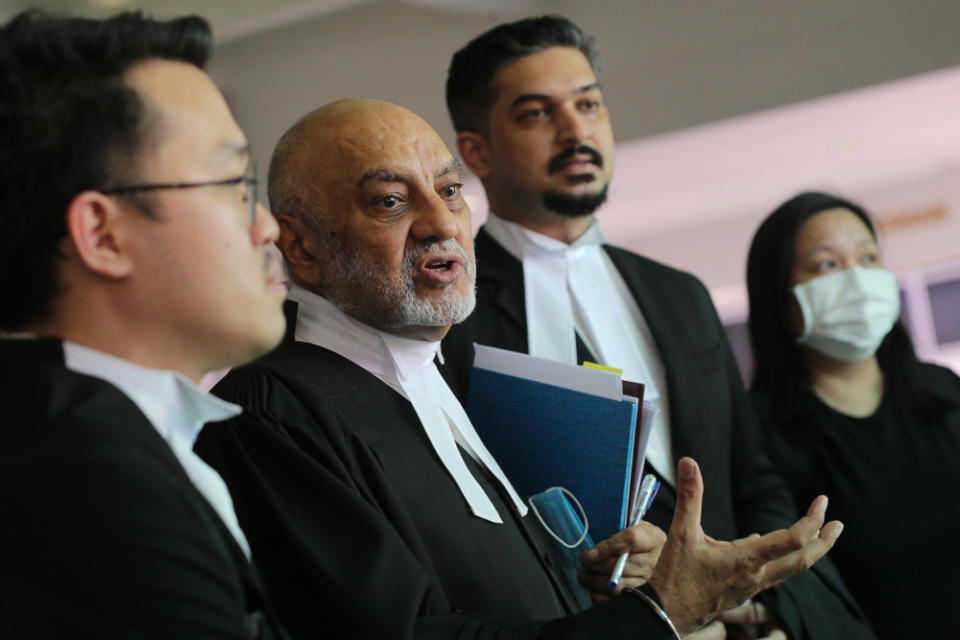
(367, 294)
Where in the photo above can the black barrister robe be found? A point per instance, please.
(359, 530)
(711, 418)
(103, 534)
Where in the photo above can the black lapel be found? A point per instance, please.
(47, 354)
(658, 304)
(500, 281)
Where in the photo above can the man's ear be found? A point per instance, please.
(299, 249)
(474, 150)
(98, 235)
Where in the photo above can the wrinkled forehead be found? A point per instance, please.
(398, 142)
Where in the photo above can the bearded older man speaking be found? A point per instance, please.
(371, 505)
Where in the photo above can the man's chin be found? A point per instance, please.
(449, 307)
(573, 204)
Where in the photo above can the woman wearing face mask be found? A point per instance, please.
(851, 412)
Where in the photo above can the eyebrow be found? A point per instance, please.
(236, 147)
(233, 149)
(454, 166)
(871, 242)
(543, 97)
(385, 175)
(381, 175)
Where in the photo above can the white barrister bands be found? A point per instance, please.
(407, 366)
(575, 288)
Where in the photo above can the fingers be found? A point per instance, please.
(776, 634)
(803, 558)
(831, 531)
(686, 515)
(642, 539)
(713, 631)
(777, 544)
(749, 613)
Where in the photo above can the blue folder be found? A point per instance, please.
(544, 436)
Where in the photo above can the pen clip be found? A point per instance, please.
(648, 486)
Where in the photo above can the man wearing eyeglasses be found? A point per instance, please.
(133, 260)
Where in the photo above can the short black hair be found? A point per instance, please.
(779, 371)
(68, 123)
(470, 89)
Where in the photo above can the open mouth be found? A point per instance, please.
(440, 270)
(439, 265)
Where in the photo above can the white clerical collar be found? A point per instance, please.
(171, 402)
(176, 408)
(407, 366)
(575, 288)
(320, 322)
(391, 358)
(520, 241)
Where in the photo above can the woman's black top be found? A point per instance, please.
(893, 478)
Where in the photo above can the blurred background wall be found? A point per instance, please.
(722, 110)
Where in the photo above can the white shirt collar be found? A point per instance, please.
(407, 366)
(575, 288)
(177, 409)
(170, 401)
(520, 241)
(385, 355)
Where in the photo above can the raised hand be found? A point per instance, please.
(698, 577)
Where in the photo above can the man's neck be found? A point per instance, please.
(427, 334)
(852, 388)
(121, 344)
(562, 228)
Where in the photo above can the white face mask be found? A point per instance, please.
(847, 314)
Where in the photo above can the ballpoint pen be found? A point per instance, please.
(648, 491)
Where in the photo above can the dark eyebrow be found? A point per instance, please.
(543, 97)
(381, 175)
(385, 175)
(866, 242)
(455, 166)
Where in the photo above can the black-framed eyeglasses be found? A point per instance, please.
(249, 179)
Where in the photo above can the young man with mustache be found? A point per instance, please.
(526, 101)
(373, 508)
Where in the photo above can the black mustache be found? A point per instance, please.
(557, 162)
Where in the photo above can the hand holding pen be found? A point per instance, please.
(636, 548)
(648, 491)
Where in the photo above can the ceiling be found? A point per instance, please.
(728, 59)
(235, 19)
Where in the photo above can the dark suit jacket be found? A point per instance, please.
(711, 419)
(103, 533)
(360, 531)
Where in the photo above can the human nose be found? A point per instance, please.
(435, 220)
(264, 229)
(572, 129)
